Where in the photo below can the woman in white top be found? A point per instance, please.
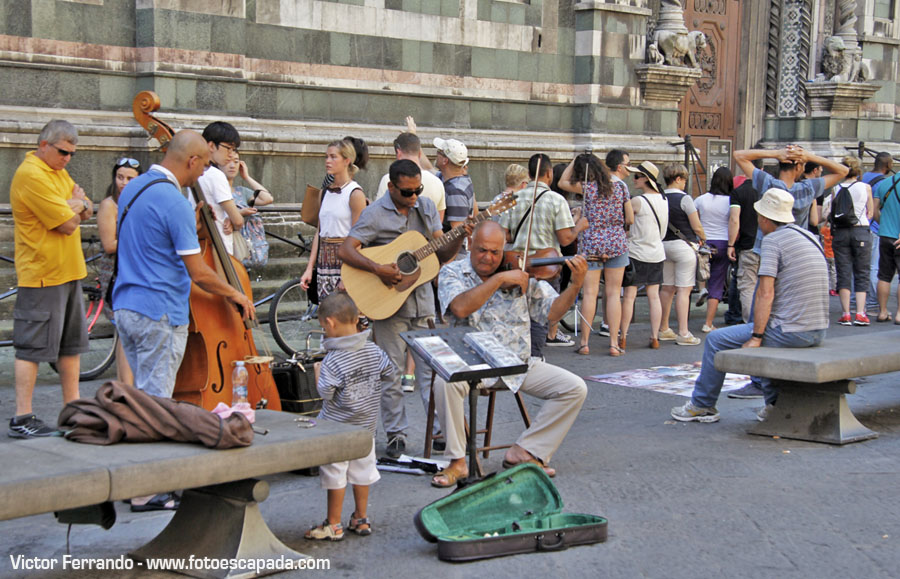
(851, 245)
(645, 249)
(714, 208)
(342, 203)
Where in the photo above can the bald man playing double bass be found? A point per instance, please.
(158, 257)
(474, 293)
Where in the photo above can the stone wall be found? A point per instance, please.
(508, 77)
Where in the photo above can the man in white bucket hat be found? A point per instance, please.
(790, 309)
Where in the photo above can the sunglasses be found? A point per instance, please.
(133, 163)
(64, 152)
(410, 192)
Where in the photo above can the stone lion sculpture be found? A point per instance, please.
(677, 48)
(840, 64)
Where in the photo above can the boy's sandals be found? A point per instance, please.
(355, 525)
(325, 532)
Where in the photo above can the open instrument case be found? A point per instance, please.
(513, 511)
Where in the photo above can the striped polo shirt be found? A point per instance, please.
(795, 260)
(351, 378)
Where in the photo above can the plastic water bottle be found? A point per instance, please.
(239, 379)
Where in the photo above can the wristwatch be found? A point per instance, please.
(757, 336)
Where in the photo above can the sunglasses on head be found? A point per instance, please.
(410, 192)
(133, 163)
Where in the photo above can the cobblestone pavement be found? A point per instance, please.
(683, 500)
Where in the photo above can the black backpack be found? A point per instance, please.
(843, 213)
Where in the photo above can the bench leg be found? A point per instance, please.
(220, 522)
(815, 415)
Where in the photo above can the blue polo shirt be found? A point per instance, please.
(804, 192)
(160, 228)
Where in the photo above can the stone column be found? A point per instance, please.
(671, 16)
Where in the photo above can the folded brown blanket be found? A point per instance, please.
(122, 413)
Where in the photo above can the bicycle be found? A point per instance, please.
(291, 316)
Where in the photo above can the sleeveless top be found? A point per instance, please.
(678, 218)
(334, 214)
(645, 236)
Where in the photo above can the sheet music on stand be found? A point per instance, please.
(449, 354)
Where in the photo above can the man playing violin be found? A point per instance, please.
(158, 257)
(380, 223)
(474, 293)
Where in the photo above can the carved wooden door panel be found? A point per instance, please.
(708, 108)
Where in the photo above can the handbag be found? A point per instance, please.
(309, 211)
(241, 249)
(628, 274)
(253, 233)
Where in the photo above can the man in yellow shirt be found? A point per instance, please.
(49, 325)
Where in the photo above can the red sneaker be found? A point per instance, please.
(861, 320)
(845, 320)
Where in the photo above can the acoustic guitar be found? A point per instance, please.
(414, 256)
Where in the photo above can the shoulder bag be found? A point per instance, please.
(115, 269)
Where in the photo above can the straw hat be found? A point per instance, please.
(648, 170)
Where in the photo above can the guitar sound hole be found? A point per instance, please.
(407, 263)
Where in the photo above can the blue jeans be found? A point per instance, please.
(872, 295)
(709, 382)
(154, 350)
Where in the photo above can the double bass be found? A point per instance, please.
(218, 335)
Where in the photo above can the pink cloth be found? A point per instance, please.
(224, 411)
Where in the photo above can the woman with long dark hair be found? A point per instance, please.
(608, 213)
(123, 171)
(714, 208)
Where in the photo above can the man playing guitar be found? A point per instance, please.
(385, 219)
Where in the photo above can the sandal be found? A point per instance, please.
(450, 475)
(583, 350)
(622, 343)
(355, 523)
(615, 351)
(551, 472)
(325, 532)
(163, 502)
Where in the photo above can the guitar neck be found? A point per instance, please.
(451, 236)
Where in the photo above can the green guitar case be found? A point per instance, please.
(513, 511)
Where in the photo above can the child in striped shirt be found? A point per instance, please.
(350, 379)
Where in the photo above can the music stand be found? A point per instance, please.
(454, 338)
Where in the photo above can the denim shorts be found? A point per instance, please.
(154, 350)
(611, 263)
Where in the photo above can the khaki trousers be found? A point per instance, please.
(563, 391)
(748, 266)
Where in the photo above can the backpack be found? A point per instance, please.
(843, 214)
(254, 233)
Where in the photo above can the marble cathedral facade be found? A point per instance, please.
(507, 77)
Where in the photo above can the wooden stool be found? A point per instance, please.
(487, 431)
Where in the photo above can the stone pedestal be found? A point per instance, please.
(665, 85)
(832, 98)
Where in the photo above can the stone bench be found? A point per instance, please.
(813, 383)
(219, 514)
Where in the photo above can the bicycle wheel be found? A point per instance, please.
(292, 317)
(102, 337)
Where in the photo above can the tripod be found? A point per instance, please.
(691, 160)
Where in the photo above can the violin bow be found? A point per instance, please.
(524, 256)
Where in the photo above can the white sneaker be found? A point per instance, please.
(668, 335)
(688, 340)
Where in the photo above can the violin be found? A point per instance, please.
(544, 264)
(218, 335)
